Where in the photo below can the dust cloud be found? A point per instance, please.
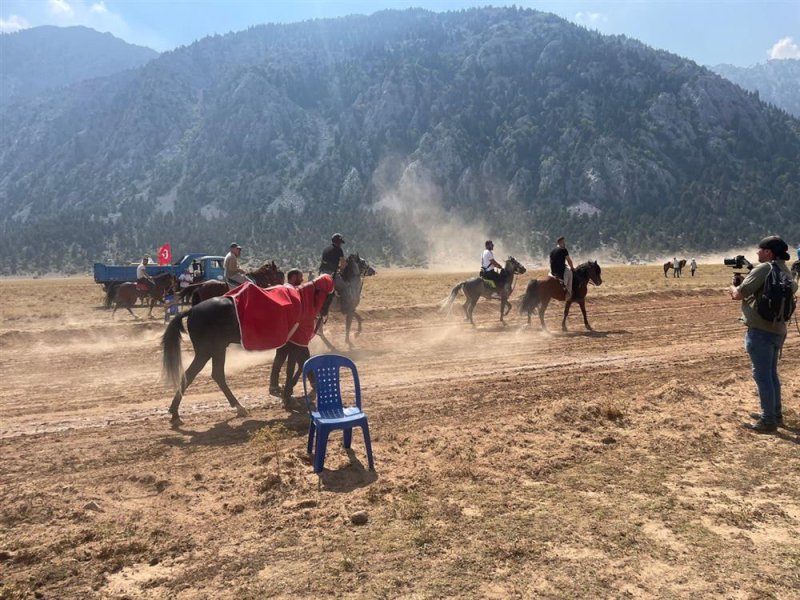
(421, 220)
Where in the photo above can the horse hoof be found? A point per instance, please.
(241, 411)
(175, 421)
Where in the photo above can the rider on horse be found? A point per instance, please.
(234, 274)
(333, 257)
(489, 266)
(559, 258)
(143, 280)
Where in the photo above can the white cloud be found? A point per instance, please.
(98, 8)
(60, 8)
(784, 48)
(13, 23)
(590, 18)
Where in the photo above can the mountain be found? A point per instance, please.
(776, 81)
(415, 134)
(44, 58)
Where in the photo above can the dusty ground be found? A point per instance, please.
(511, 463)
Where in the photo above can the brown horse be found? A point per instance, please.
(676, 271)
(127, 293)
(264, 276)
(541, 291)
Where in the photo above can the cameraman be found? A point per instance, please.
(764, 339)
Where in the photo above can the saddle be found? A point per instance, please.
(489, 283)
(142, 287)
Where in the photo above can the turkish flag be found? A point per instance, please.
(165, 255)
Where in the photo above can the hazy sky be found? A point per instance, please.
(739, 32)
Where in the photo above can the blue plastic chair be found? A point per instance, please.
(330, 415)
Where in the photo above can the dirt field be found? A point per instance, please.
(511, 463)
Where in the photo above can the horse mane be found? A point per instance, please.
(266, 268)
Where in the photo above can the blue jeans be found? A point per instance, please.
(764, 348)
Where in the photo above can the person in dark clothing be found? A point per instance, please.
(333, 256)
(559, 259)
(294, 278)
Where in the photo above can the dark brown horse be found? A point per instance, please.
(212, 325)
(266, 275)
(475, 288)
(676, 271)
(541, 291)
(126, 294)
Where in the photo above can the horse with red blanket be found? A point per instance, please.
(256, 318)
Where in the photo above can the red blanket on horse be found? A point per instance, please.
(268, 318)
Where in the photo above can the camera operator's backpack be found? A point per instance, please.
(776, 302)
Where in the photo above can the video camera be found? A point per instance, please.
(738, 262)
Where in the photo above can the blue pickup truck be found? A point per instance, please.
(202, 266)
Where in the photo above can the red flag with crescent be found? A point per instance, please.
(165, 255)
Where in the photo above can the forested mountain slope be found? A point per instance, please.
(776, 81)
(396, 129)
(44, 58)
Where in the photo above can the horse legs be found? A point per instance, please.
(358, 320)
(218, 375)
(348, 321)
(472, 302)
(321, 335)
(503, 310)
(567, 304)
(197, 365)
(582, 304)
(542, 308)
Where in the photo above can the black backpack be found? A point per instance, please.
(777, 301)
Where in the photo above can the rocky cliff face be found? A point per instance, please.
(393, 128)
(776, 81)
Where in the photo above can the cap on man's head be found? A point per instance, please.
(337, 237)
(561, 239)
(235, 245)
(778, 247)
(488, 243)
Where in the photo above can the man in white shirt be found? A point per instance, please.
(142, 278)
(234, 274)
(488, 266)
(186, 279)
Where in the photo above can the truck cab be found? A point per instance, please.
(204, 268)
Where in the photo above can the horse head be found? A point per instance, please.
(365, 268)
(514, 266)
(593, 271)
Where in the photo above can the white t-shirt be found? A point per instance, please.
(186, 280)
(486, 259)
(141, 272)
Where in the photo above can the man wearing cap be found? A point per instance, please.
(333, 256)
(234, 274)
(764, 339)
(559, 258)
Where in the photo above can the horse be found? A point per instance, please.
(796, 270)
(126, 294)
(348, 296)
(266, 275)
(475, 288)
(676, 271)
(212, 326)
(541, 291)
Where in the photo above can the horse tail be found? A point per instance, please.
(531, 298)
(448, 302)
(171, 347)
